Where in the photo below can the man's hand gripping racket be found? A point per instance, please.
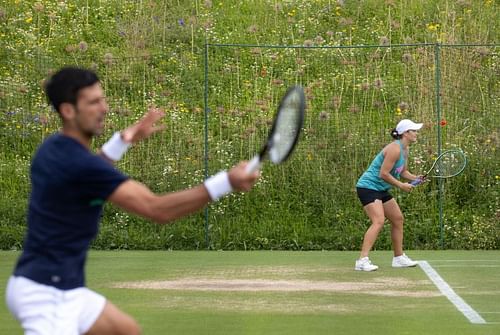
(448, 164)
(285, 130)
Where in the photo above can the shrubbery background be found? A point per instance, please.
(153, 52)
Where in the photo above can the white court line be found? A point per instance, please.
(463, 266)
(463, 260)
(455, 299)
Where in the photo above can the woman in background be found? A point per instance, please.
(373, 191)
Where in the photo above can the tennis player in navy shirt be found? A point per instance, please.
(70, 184)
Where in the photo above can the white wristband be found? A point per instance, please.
(218, 185)
(115, 147)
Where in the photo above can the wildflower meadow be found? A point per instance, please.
(219, 69)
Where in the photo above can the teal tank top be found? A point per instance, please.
(370, 179)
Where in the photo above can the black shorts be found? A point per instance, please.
(367, 196)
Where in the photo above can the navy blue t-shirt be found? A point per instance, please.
(69, 186)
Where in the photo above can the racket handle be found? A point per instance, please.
(417, 181)
(253, 165)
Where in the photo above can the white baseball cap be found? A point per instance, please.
(405, 125)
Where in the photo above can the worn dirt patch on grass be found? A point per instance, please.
(264, 304)
(380, 286)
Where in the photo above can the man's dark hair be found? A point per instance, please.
(65, 84)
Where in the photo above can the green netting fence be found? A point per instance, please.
(220, 105)
(356, 95)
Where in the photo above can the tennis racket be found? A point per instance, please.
(285, 130)
(449, 164)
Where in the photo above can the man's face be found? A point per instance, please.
(91, 107)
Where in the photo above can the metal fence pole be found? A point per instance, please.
(207, 237)
(437, 59)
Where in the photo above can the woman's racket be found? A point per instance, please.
(285, 130)
(449, 164)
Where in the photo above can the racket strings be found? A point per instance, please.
(450, 164)
(287, 127)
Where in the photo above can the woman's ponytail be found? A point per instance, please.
(395, 134)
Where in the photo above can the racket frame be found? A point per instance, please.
(458, 151)
(254, 164)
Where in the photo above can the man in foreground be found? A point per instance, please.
(70, 184)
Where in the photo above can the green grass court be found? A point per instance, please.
(280, 292)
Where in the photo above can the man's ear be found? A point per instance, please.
(67, 111)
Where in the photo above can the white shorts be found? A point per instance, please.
(46, 310)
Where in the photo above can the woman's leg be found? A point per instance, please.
(393, 213)
(375, 211)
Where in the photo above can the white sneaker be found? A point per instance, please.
(403, 261)
(364, 264)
